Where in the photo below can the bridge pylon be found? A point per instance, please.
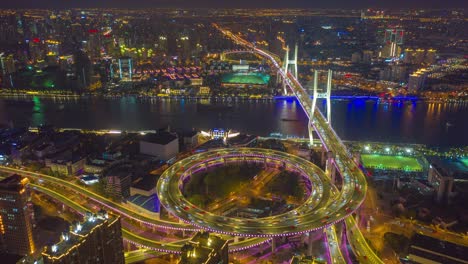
(324, 95)
(290, 64)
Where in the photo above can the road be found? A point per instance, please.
(354, 182)
(132, 237)
(321, 209)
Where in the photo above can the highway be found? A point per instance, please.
(334, 245)
(131, 237)
(354, 181)
(356, 239)
(107, 203)
(321, 209)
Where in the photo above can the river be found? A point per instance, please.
(433, 124)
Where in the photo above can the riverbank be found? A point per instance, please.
(27, 95)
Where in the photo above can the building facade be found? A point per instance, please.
(16, 236)
(98, 239)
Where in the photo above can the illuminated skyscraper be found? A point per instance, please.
(15, 216)
(392, 41)
(416, 80)
(125, 68)
(7, 65)
(394, 36)
(98, 239)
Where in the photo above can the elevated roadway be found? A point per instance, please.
(137, 240)
(354, 182)
(321, 209)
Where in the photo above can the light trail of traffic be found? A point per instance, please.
(321, 209)
(352, 175)
(109, 204)
(140, 241)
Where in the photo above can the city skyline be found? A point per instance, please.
(233, 135)
(332, 4)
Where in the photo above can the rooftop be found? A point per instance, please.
(161, 138)
(456, 168)
(440, 246)
(14, 182)
(78, 233)
(201, 248)
(120, 170)
(146, 183)
(190, 133)
(150, 203)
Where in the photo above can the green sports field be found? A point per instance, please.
(464, 161)
(246, 78)
(390, 162)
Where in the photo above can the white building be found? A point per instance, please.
(163, 145)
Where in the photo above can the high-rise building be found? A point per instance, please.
(98, 239)
(430, 57)
(118, 180)
(356, 57)
(161, 45)
(420, 56)
(392, 43)
(394, 73)
(15, 216)
(367, 56)
(7, 65)
(94, 44)
(36, 49)
(125, 68)
(394, 36)
(416, 80)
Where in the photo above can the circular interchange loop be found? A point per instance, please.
(324, 206)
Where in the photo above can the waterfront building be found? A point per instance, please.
(416, 80)
(8, 67)
(16, 235)
(420, 56)
(164, 145)
(125, 69)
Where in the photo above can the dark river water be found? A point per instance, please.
(434, 124)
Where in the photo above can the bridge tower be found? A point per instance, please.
(292, 64)
(324, 95)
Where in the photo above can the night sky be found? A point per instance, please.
(51, 4)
